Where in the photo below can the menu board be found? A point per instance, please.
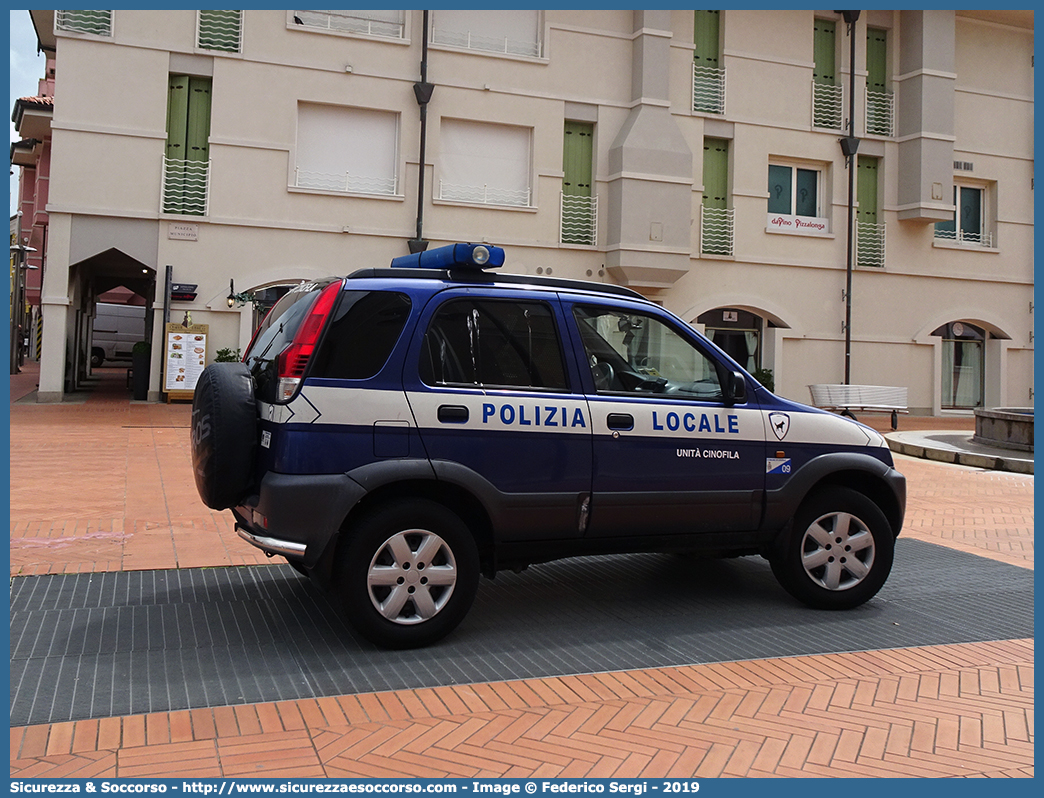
(184, 357)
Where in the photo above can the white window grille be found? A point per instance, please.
(870, 244)
(708, 89)
(827, 105)
(966, 237)
(186, 187)
(387, 23)
(484, 194)
(351, 150)
(219, 30)
(98, 23)
(880, 113)
(717, 230)
(515, 32)
(579, 220)
(487, 164)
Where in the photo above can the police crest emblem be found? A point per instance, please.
(780, 423)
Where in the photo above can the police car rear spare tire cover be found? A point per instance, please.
(224, 434)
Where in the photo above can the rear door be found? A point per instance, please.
(497, 400)
(670, 455)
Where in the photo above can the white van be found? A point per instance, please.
(116, 329)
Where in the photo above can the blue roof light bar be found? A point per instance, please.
(453, 256)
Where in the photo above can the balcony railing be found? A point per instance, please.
(186, 187)
(579, 220)
(708, 89)
(346, 182)
(870, 244)
(220, 30)
(487, 44)
(484, 195)
(352, 22)
(97, 22)
(880, 113)
(965, 237)
(827, 105)
(717, 230)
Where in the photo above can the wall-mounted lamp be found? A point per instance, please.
(231, 294)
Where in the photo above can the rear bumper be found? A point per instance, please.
(297, 516)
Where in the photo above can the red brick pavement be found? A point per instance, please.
(959, 710)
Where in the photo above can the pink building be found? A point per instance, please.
(32, 152)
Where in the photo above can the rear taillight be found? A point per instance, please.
(294, 359)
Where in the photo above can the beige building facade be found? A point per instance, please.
(694, 156)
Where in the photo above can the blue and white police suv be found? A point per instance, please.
(398, 432)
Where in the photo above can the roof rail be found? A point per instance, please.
(476, 276)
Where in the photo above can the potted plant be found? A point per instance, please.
(140, 363)
(227, 356)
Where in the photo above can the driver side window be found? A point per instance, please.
(637, 353)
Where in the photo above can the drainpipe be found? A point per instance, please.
(422, 91)
(849, 145)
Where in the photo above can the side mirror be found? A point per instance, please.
(735, 388)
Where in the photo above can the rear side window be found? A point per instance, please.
(362, 335)
(496, 343)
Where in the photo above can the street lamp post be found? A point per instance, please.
(849, 146)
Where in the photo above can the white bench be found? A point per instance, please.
(872, 398)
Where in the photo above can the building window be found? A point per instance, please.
(98, 23)
(579, 204)
(516, 32)
(484, 163)
(350, 150)
(870, 229)
(795, 200)
(880, 102)
(716, 218)
(708, 75)
(220, 30)
(827, 94)
(386, 23)
(738, 332)
(963, 364)
(969, 225)
(186, 165)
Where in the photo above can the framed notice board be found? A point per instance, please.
(184, 358)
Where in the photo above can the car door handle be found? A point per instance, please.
(618, 421)
(453, 414)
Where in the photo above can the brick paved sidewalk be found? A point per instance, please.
(102, 483)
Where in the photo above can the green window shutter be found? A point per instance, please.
(705, 38)
(780, 188)
(577, 157)
(715, 173)
(877, 59)
(177, 116)
(824, 35)
(188, 134)
(198, 127)
(806, 197)
(866, 189)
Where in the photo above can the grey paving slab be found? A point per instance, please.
(96, 645)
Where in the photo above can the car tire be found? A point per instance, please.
(97, 357)
(408, 574)
(838, 552)
(224, 434)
